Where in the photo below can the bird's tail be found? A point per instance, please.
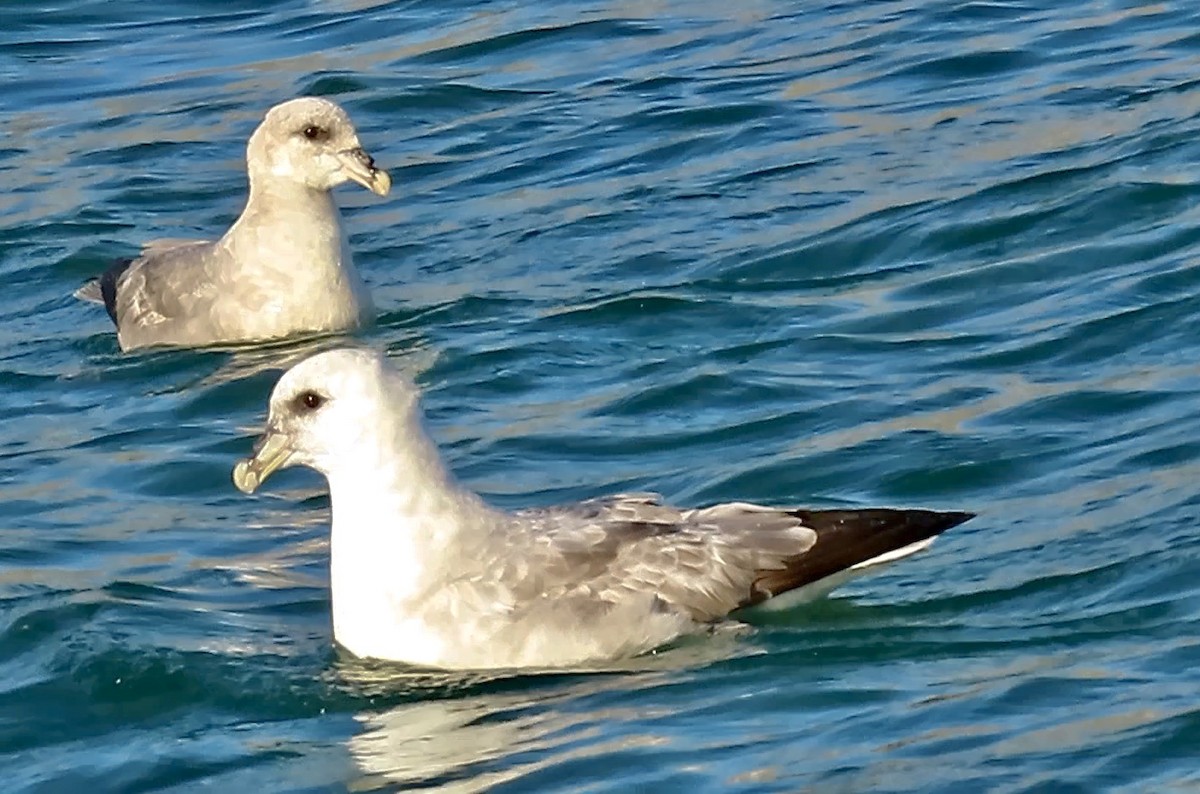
(90, 291)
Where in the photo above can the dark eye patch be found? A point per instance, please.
(307, 401)
(315, 132)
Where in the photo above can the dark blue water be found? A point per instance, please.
(935, 254)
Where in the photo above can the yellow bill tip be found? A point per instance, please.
(245, 478)
(381, 182)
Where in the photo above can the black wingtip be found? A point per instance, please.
(954, 518)
(941, 520)
(846, 538)
(108, 286)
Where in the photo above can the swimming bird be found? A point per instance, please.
(424, 571)
(283, 268)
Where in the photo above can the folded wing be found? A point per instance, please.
(709, 562)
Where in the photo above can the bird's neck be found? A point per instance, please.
(424, 508)
(310, 256)
(302, 223)
(271, 189)
(395, 536)
(289, 208)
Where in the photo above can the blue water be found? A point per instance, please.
(936, 254)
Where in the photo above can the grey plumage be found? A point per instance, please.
(283, 268)
(707, 562)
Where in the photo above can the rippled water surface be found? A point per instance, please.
(897, 253)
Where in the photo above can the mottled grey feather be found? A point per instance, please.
(708, 562)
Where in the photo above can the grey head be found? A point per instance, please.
(311, 141)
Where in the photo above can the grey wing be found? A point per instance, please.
(172, 279)
(705, 562)
(715, 560)
(92, 289)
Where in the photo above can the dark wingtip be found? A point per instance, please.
(931, 523)
(108, 286)
(955, 517)
(846, 538)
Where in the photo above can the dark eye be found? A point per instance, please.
(315, 133)
(310, 400)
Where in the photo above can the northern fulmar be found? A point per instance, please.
(283, 268)
(423, 571)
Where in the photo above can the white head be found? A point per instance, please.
(337, 411)
(313, 142)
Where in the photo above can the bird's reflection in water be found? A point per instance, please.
(468, 731)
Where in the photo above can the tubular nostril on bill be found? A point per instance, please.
(364, 158)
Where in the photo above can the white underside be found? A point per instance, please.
(822, 587)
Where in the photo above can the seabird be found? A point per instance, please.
(424, 571)
(283, 268)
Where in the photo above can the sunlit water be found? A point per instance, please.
(872, 253)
